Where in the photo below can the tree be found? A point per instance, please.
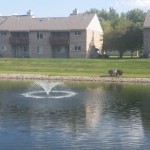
(103, 15)
(135, 15)
(113, 37)
(93, 10)
(121, 32)
(107, 37)
(134, 37)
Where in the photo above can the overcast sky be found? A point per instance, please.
(62, 8)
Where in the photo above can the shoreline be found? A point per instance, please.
(72, 78)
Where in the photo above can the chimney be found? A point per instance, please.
(75, 12)
(30, 13)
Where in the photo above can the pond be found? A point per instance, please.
(48, 115)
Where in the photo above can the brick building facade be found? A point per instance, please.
(75, 36)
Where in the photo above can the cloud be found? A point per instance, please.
(132, 4)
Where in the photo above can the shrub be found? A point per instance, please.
(115, 72)
(110, 72)
(119, 72)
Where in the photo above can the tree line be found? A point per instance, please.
(122, 32)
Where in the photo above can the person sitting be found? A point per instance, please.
(115, 71)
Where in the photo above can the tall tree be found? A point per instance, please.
(134, 37)
(107, 38)
(118, 34)
(136, 15)
(121, 32)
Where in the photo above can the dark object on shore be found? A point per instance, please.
(115, 72)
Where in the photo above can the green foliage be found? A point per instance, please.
(113, 73)
(121, 32)
(110, 72)
(133, 38)
(136, 15)
(103, 14)
(120, 72)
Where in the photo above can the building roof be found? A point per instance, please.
(27, 23)
(147, 20)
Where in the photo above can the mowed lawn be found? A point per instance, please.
(75, 67)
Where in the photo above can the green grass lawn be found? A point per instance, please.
(75, 67)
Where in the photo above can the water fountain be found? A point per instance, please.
(49, 90)
(47, 86)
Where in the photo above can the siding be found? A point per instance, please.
(44, 43)
(147, 42)
(78, 41)
(4, 41)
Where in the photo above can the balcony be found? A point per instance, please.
(19, 41)
(59, 40)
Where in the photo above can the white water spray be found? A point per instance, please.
(47, 86)
(49, 91)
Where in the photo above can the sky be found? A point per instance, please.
(62, 8)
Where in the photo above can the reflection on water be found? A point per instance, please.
(98, 116)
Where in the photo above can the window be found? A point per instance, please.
(39, 35)
(39, 50)
(77, 33)
(77, 48)
(25, 49)
(3, 33)
(3, 48)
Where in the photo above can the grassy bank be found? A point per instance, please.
(132, 68)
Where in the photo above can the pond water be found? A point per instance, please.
(48, 115)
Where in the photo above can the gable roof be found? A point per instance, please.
(95, 25)
(147, 20)
(27, 23)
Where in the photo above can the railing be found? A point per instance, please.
(59, 41)
(19, 40)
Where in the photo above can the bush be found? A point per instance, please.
(119, 72)
(110, 72)
(115, 72)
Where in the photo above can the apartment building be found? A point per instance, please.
(76, 36)
(146, 35)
